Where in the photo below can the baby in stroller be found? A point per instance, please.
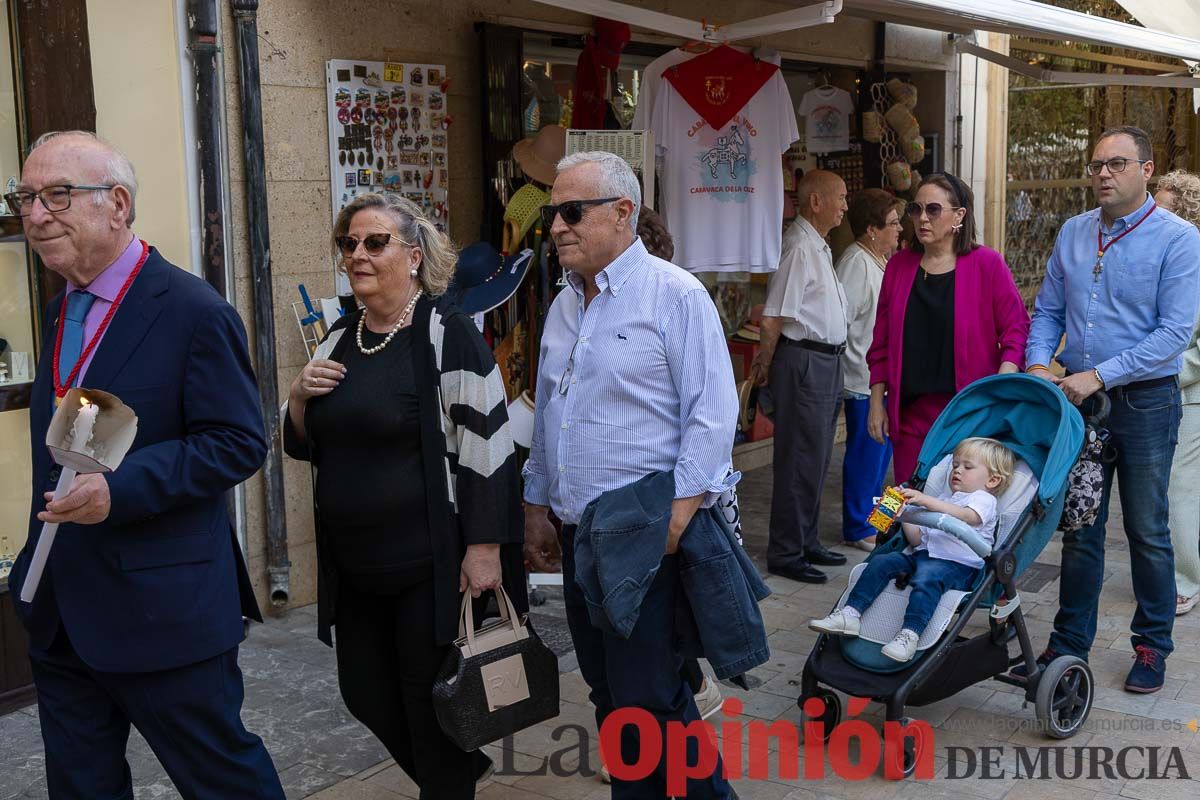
(935, 561)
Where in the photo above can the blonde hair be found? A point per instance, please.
(439, 256)
(1186, 188)
(998, 459)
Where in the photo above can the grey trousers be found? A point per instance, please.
(806, 387)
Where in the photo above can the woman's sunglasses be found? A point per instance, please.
(571, 211)
(933, 210)
(373, 244)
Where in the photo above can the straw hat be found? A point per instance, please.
(538, 157)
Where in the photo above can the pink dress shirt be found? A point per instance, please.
(105, 287)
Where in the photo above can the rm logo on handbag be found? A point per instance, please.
(504, 682)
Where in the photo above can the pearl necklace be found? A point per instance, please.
(362, 321)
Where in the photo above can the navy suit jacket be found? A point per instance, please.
(161, 583)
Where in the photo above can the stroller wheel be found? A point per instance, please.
(900, 757)
(1065, 692)
(828, 718)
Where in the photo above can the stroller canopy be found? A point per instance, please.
(1029, 415)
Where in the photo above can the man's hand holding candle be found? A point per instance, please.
(87, 503)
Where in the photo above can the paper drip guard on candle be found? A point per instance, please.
(111, 437)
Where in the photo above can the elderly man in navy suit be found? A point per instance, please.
(138, 616)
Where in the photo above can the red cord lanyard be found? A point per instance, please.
(1102, 248)
(60, 388)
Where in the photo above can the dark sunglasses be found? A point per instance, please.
(933, 210)
(571, 211)
(373, 244)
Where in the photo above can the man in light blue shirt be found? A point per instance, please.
(1122, 284)
(634, 377)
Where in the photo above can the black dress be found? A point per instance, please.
(928, 360)
(370, 488)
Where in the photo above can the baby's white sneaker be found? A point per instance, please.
(839, 623)
(903, 647)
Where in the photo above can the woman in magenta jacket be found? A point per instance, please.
(949, 313)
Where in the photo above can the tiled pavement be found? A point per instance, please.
(322, 753)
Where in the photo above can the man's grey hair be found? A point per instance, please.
(118, 169)
(617, 178)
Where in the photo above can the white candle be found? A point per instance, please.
(81, 434)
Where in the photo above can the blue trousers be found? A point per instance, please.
(930, 578)
(639, 672)
(864, 470)
(1144, 424)
(190, 716)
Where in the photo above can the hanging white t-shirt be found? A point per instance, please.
(650, 85)
(723, 189)
(826, 111)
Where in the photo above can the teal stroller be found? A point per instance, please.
(1035, 420)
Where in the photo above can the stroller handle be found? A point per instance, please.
(951, 525)
(1099, 418)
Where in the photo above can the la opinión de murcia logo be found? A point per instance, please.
(854, 749)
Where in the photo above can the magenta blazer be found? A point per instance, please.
(990, 321)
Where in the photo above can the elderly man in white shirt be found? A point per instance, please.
(803, 337)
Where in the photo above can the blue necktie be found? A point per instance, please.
(78, 304)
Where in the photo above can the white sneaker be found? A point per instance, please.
(708, 699)
(838, 623)
(903, 647)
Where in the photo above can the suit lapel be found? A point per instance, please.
(137, 312)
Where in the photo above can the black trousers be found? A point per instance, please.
(806, 387)
(387, 661)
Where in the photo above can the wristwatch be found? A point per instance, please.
(1099, 378)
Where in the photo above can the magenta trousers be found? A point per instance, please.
(916, 418)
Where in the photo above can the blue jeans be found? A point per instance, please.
(864, 469)
(639, 672)
(1145, 425)
(929, 578)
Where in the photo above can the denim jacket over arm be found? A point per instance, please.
(619, 548)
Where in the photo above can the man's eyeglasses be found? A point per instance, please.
(54, 198)
(932, 210)
(564, 383)
(1114, 165)
(571, 211)
(373, 244)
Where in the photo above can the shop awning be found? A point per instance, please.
(1026, 18)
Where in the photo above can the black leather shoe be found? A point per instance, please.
(799, 570)
(826, 558)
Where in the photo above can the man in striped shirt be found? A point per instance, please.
(634, 378)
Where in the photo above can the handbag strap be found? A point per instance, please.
(466, 620)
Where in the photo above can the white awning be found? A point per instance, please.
(1030, 18)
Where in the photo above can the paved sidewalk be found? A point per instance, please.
(322, 753)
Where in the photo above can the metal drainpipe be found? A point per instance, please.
(202, 43)
(245, 14)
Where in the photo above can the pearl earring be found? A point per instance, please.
(413, 272)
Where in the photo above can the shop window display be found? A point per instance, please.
(17, 342)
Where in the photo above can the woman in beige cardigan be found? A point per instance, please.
(1179, 192)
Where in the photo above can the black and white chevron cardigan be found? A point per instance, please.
(471, 476)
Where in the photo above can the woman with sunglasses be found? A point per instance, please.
(949, 313)
(402, 414)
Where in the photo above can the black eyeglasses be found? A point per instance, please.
(1114, 165)
(572, 210)
(373, 244)
(932, 210)
(54, 198)
(564, 383)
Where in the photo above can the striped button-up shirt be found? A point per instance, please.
(638, 381)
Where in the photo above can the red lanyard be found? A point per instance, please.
(60, 389)
(1102, 248)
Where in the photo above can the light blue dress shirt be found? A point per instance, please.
(639, 381)
(1132, 320)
